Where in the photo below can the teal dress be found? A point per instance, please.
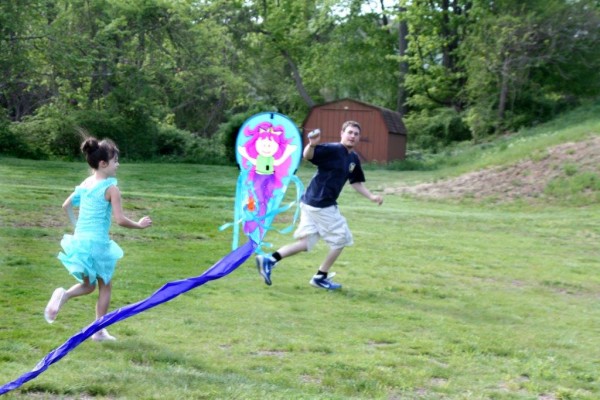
(90, 252)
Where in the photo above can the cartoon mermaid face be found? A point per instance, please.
(267, 148)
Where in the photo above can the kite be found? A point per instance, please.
(268, 151)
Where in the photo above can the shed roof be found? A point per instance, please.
(392, 119)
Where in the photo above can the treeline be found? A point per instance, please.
(175, 79)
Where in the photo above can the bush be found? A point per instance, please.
(135, 134)
(171, 141)
(46, 134)
(11, 143)
(206, 151)
(435, 129)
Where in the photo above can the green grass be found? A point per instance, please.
(441, 300)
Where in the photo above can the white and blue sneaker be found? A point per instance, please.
(325, 283)
(265, 265)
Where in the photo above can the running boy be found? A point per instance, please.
(320, 218)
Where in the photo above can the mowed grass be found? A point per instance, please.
(441, 300)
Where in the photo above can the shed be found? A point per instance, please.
(383, 134)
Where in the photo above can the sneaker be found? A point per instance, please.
(325, 283)
(103, 336)
(54, 305)
(265, 265)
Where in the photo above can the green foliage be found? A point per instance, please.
(133, 129)
(172, 142)
(49, 133)
(227, 134)
(486, 67)
(414, 161)
(11, 143)
(518, 59)
(208, 151)
(357, 43)
(435, 129)
(493, 151)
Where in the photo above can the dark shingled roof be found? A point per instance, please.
(393, 121)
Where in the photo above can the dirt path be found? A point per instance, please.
(526, 179)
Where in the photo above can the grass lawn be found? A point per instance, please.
(441, 300)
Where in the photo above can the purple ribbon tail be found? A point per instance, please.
(166, 293)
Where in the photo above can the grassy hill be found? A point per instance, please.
(442, 299)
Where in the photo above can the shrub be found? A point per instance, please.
(435, 129)
(11, 143)
(206, 151)
(171, 141)
(135, 134)
(50, 132)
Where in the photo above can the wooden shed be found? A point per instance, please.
(383, 134)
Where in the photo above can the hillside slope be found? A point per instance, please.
(526, 179)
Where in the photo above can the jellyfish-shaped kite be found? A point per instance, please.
(268, 152)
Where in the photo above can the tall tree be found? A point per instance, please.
(22, 68)
(436, 31)
(523, 60)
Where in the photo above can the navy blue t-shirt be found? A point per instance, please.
(335, 165)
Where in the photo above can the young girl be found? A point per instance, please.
(89, 254)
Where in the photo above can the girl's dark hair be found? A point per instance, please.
(96, 151)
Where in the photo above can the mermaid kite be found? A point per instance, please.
(268, 153)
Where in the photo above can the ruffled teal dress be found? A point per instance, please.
(90, 252)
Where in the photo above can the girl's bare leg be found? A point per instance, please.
(61, 296)
(104, 293)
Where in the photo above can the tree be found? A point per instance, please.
(524, 61)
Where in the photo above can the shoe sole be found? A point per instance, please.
(261, 271)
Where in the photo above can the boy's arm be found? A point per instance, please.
(314, 138)
(362, 189)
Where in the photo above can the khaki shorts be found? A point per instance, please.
(326, 223)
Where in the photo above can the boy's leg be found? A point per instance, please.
(321, 279)
(266, 263)
(331, 257)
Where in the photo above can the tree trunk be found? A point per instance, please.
(403, 65)
(298, 79)
(502, 100)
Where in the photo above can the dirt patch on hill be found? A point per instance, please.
(525, 179)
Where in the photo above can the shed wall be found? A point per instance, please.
(396, 147)
(376, 144)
